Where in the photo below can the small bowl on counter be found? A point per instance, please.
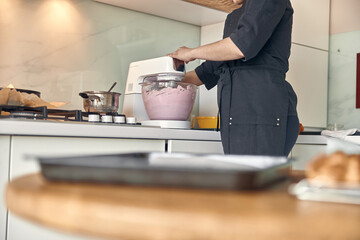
(207, 122)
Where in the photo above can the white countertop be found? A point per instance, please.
(320, 139)
(102, 130)
(311, 139)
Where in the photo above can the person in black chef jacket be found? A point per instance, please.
(257, 105)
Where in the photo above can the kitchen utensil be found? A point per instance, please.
(167, 67)
(100, 101)
(164, 169)
(112, 86)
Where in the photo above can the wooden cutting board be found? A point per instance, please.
(126, 212)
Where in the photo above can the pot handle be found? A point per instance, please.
(83, 95)
(91, 97)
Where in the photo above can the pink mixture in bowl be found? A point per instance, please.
(169, 103)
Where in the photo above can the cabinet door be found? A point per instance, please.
(22, 146)
(308, 74)
(208, 147)
(208, 98)
(303, 153)
(4, 177)
(60, 146)
(311, 23)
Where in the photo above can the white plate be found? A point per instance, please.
(304, 191)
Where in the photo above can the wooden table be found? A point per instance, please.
(126, 212)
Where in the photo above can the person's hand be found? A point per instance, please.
(183, 53)
(179, 65)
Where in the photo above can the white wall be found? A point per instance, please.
(62, 47)
(344, 45)
(207, 98)
(344, 16)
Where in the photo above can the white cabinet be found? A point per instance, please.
(303, 153)
(184, 146)
(14, 149)
(308, 63)
(308, 74)
(208, 98)
(4, 177)
(21, 146)
(311, 23)
(28, 145)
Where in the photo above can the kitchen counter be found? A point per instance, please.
(23, 127)
(101, 130)
(128, 212)
(317, 138)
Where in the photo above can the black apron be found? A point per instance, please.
(253, 106)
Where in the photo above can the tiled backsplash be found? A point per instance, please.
(62, 47)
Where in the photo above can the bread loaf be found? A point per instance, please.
(336, 169)
(12, 97)
(15, 98)
(4, 96)
(31, 100)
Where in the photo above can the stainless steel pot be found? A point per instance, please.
(100, 101)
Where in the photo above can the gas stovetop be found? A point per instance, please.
(43, 113)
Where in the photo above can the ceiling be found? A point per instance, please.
(222, 5)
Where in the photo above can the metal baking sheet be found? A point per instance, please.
(37, 93)
(172, 170)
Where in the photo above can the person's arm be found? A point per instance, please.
(223, 50)
(255, 28)
(192, 77)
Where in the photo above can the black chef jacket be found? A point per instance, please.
(253, 97)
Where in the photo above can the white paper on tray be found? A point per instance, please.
(226, 162)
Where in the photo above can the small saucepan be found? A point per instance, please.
(100, 101)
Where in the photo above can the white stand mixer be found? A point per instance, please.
(133, 101)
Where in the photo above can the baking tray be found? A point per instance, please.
(37, 93)
(165, 169)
